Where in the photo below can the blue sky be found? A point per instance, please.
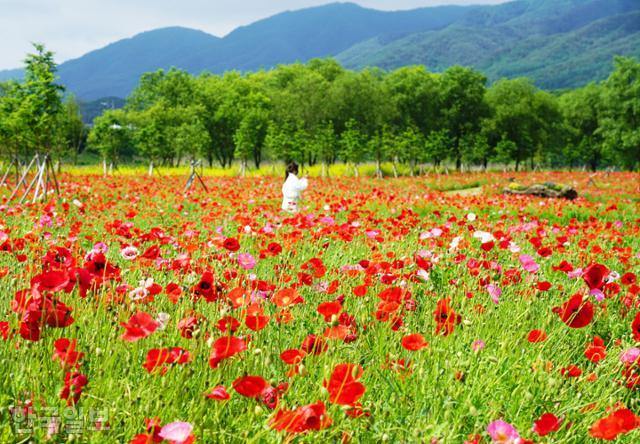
(71, 28)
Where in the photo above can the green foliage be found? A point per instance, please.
(40, 102)
(522, 115)
(319, 113)
(581, 110)
(620, 123)
(463, 105)
(33, 117)
(111, 136)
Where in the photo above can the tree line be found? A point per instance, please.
(320, 113)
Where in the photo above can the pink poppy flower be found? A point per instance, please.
(494, 292)
(630, 355)
(503, 433)
(246, 261)
(177, 431)
(528, 263)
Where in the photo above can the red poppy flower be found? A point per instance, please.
(50, 281)
(231, 244)
(596, 351)
(140, 326)
(292, 356)
(543, 286)
(56, 313)
(394, 294)
(314, 344)
(343, 386)
(218, 393)
(304, 418)
(594, 276)
(446, 319)
(617, 423)
(250, 386)
(628, 278)
(360, 290)
(224, 348)
(157, 358)
(571, 371)
(188, 326)
(174, 291)
(256, 322)
(65, 352)
(536, 336)
(151, 253)
(228, 324)
(328, 309)
(575, 312)
(206, 288)
(99, 266)
(635, 327)
(274, 248)
(547, 423)
(73, 385)
(4, 330)
(340, 332)
(286, 297)
(59, 258)
(414, 342)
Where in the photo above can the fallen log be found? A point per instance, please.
(543, 190)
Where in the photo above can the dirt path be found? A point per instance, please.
(466, 192)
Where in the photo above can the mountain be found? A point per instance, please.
(558, 43)
(11, 74)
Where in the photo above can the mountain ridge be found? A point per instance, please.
(541, 38)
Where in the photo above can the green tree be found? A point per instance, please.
(415, 94)
(437, 146)
(73, 129)
(463, 105)
(190, 139)
(40, 102)
(250, 137)
(580, 109)
(476, 150)
(382, 147)
(353, 145)
(524, 115)
(411, 148)
(324, 143)
(620, 121)
(13, 130)
(110, 136)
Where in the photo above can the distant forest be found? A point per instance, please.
(319, 112)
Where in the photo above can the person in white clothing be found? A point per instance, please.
(292, 188)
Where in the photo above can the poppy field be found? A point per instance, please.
(386, 310)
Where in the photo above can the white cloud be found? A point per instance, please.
(71, 28)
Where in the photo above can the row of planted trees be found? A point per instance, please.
(321, 113)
